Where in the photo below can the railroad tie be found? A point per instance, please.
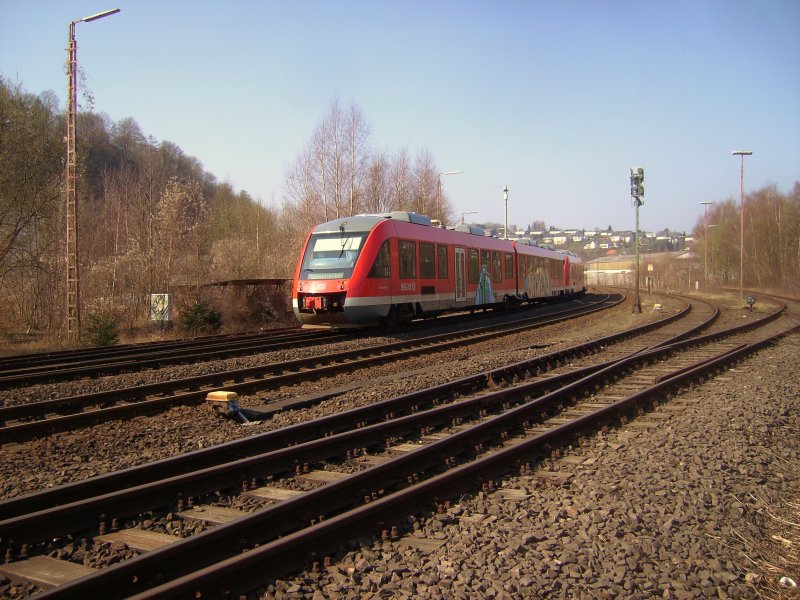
(43, 571)
(141, 540)
(275, 494)
(213, 515)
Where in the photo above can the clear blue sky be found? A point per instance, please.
(556, 99)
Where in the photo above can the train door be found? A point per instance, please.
(461, 274)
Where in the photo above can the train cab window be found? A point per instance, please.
(427, 260)
(441, 259)
(509, 265)
(331, 256)
(382, 267)
(408, 259)
(473, 266)
(497, 268)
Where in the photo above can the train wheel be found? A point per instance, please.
(399, 314)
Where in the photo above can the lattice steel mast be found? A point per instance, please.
(73, 279)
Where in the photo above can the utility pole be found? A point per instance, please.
(705, 204)
(637, 191)
(439, 194)
(505, 200)
(742, 154)
(73, 303)
(73, 280)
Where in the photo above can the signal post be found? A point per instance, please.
(637, 192)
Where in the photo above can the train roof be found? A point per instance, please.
(367, 222)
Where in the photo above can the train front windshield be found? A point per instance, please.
(331, 255)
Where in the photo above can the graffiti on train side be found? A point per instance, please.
(537, 284)
(484, 293)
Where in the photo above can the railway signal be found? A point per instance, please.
(637, 191)
(637, 184)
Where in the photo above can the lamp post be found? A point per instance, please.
(73, 289)
(505, 200)
(705, 255)
(705, 204)
(469, 212)
(742, 154)
(439, 192)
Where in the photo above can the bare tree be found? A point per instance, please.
(329, 176)
(305, 189)
(425, 184)
(378, 192)
(358, 153)
(401, 181)
(179, 222)
(31, 257)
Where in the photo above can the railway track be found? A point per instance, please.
(92, 363)
(68, 356)
(95, 362)
(24, 421)
(439, 444)
(612, 347)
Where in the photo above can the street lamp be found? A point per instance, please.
(439, 192)
(469, 212)
(742, 154)
(705, 204)
(705, 255)
(505, 199)
(73, 289)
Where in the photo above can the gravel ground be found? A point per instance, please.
(699, 507)
(71, 456)
(677, 517)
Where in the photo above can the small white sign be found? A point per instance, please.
(161, 307)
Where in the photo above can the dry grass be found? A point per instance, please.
(776, 555)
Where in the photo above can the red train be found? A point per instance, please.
(370, 269)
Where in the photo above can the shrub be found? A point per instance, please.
(102, 329)
(201, 318)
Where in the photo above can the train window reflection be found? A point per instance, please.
(408, 259)
(382, 267)
(473, 266)
(427, 264)
(331, 256)
(441, 255)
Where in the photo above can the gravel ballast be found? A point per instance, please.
(689, 507)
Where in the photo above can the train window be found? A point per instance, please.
(474, 266)
(408, 259)
(497, 268)
(331, 256)
(509, 265)
(382, 267)
(485, 264)
(427, 260)
(441, 256)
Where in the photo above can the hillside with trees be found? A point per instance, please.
(152, 220)
(771, 239)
